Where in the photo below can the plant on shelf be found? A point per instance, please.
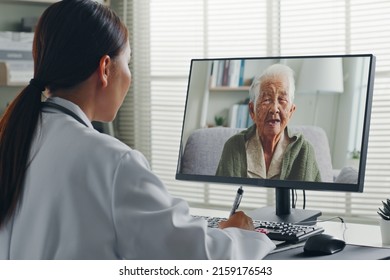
(219, 120)
(384, 212)
(355, 154)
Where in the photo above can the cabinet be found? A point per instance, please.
(16, 18)
(11, 14)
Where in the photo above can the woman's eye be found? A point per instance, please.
(266, 101)
(282, 100)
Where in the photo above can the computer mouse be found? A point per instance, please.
(323, 244)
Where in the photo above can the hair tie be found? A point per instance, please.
(37, 84)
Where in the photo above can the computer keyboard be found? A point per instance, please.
(291, 233)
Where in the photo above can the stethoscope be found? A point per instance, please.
(63, 110)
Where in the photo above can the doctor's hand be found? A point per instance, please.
(239, 220)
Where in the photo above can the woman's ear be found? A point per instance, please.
(104, 69)
(251, 106)
(292, 110)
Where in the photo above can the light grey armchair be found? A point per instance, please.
(204, 148)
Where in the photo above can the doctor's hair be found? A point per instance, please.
(70, 39)
(273, 71)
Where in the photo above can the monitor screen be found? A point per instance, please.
(279, 122)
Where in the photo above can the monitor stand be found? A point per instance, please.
(283, 211)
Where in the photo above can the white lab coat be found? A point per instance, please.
(89, 196)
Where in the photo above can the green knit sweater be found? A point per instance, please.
(299, 162)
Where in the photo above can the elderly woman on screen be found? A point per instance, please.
(268, 149)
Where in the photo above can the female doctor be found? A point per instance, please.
(70, 192)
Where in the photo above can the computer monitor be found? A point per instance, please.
(304, 125)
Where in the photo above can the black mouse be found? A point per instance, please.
(323, 244)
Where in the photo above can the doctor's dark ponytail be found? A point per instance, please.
(70, 38)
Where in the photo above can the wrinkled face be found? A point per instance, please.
(273, 108)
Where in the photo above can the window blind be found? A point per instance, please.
(180, 31)
(351, 27)
(166, 34)
(132, 124)
(370, 26)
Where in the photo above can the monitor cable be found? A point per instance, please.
(330, 219)
(294, 198)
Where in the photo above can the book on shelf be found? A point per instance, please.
(233, 113)
(241, 79)
(242, 116)
(239, 116)
(213, 73)
(227, 73)
(234, 73)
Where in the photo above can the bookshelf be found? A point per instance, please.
(222, 101)
(228, 91)
(224, 89)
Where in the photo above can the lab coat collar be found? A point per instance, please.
(71, 106)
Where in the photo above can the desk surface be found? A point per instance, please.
(353, 234)
(350, 252)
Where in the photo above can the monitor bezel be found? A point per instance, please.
(288, 184)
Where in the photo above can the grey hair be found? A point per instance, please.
(274, 70)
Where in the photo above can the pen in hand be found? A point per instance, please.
(237, 201)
